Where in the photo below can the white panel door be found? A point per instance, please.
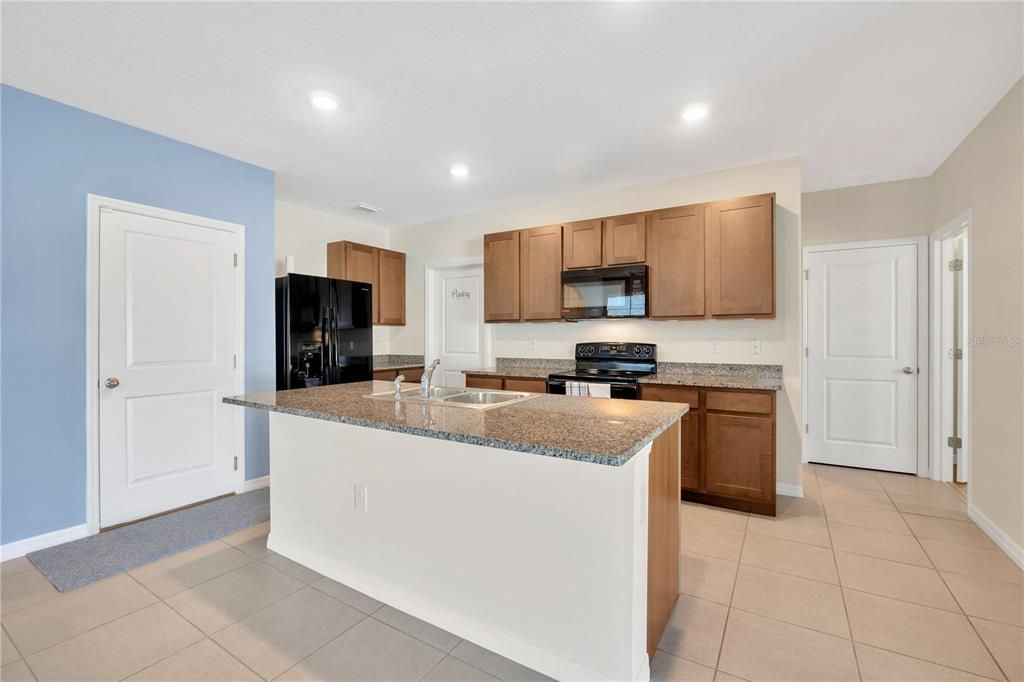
(862, 367)
(167, 345)
(458, 328)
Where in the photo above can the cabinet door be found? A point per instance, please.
(676, 259)
(357, 263)
(739, 456)
(385, 375)
(741, 256)
(528, 384)
(501, 276)
(690, 456)
(625, 239)
(477, 381)
(581, 244)
(540, 276)
(391, 278)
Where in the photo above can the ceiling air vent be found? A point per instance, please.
(367, 208)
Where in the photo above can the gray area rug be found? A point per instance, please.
(78, 563)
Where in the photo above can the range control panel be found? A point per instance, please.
(616, 351)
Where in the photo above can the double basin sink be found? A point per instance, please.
(473, 398)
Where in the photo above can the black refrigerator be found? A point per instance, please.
(324, 331)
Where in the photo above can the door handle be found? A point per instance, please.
(112, 382)
(908, 370)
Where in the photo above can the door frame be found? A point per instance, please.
(430, 271)
(923, 385)
(95, 205)
(942, 466)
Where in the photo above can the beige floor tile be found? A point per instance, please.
(877, 543)
(24, 589)
(201, 661)
(946, 530)
(16, 672)
(905, 484)
(451, 669)
(943, 507)
(792, 599)
(691, 512)
(72, 613)
(668, 668)
(8, 652)
(918, 631)
(885, 666)
(915, 584)
(977, 561)
(694, 630)
(707, 577)
(353, 598)
(726, 677)
(723, 543)
(246, 534)
(851, 478)
(796, 530)
(1006, 643)
(186, 569)
(866, 517)
(420, 629)
(794, 558)
(988, 599)
(797, 509)
(15, 566)
(492, 663)
(758, 648)
(256, 548)
(293, 568)
(228, 598)
(119, 648)
(368, 651)
(832, 493)
(274, 639)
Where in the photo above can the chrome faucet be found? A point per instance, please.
(398, 386)
(428, 374)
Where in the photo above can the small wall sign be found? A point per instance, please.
(460, 293)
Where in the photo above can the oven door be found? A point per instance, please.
(605, 292)
(622, 390)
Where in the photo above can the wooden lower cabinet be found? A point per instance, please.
(500, 383)
(411, 375)
(484, 381)
(728, 445)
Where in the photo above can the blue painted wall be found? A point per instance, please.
(54, 155)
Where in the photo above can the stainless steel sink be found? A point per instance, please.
(484, 398)
(473, 398)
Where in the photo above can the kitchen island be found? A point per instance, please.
(545, 530)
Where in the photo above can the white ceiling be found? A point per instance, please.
(539, 99)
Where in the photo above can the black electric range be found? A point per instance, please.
(620, 364)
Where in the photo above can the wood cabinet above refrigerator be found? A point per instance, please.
(382, 268)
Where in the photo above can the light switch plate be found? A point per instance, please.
(716, 347)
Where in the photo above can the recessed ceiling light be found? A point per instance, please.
(695, 112)
(459, 170)
(324, 101)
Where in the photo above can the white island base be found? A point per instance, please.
(540, 559)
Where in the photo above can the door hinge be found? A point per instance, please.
(807, 428)
(807, 352)
(954, 442)
(236, 260)
(807, 274)
(958, 353)
(236, 462)
(956, 265)
(234, 361)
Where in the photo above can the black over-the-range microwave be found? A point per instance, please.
(613, 292)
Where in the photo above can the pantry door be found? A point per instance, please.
(863, 371)
(455, 329)
(169, 334)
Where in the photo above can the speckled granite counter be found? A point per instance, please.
(709, 375)
(392, 361)
(594, 430)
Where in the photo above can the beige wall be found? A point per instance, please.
(985, 175)
(461, 238)
(886, 210)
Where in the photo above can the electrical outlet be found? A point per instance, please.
(716, 347)
(533, 343)
(755, 347)
(359, 496)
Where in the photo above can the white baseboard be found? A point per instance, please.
(1005, 542)
(789, 490)
(13, 550)
(255, 483)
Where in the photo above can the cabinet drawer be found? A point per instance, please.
(670, 394)
(729, 401)
(483, 382)
(528, 385)
(385, 375)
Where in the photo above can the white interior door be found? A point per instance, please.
(862, 365)
(456, 331)
(167, 346)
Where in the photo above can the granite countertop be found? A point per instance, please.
(597, 430)
(392, 361)
(709, 375)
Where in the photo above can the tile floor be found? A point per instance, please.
(870, 576)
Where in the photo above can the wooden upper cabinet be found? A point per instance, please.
(741, 257)
(675, 248)
(501, 276)
(625, 239)
(540, 267)
(382, 268)
(582, 244)
(391, 296)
